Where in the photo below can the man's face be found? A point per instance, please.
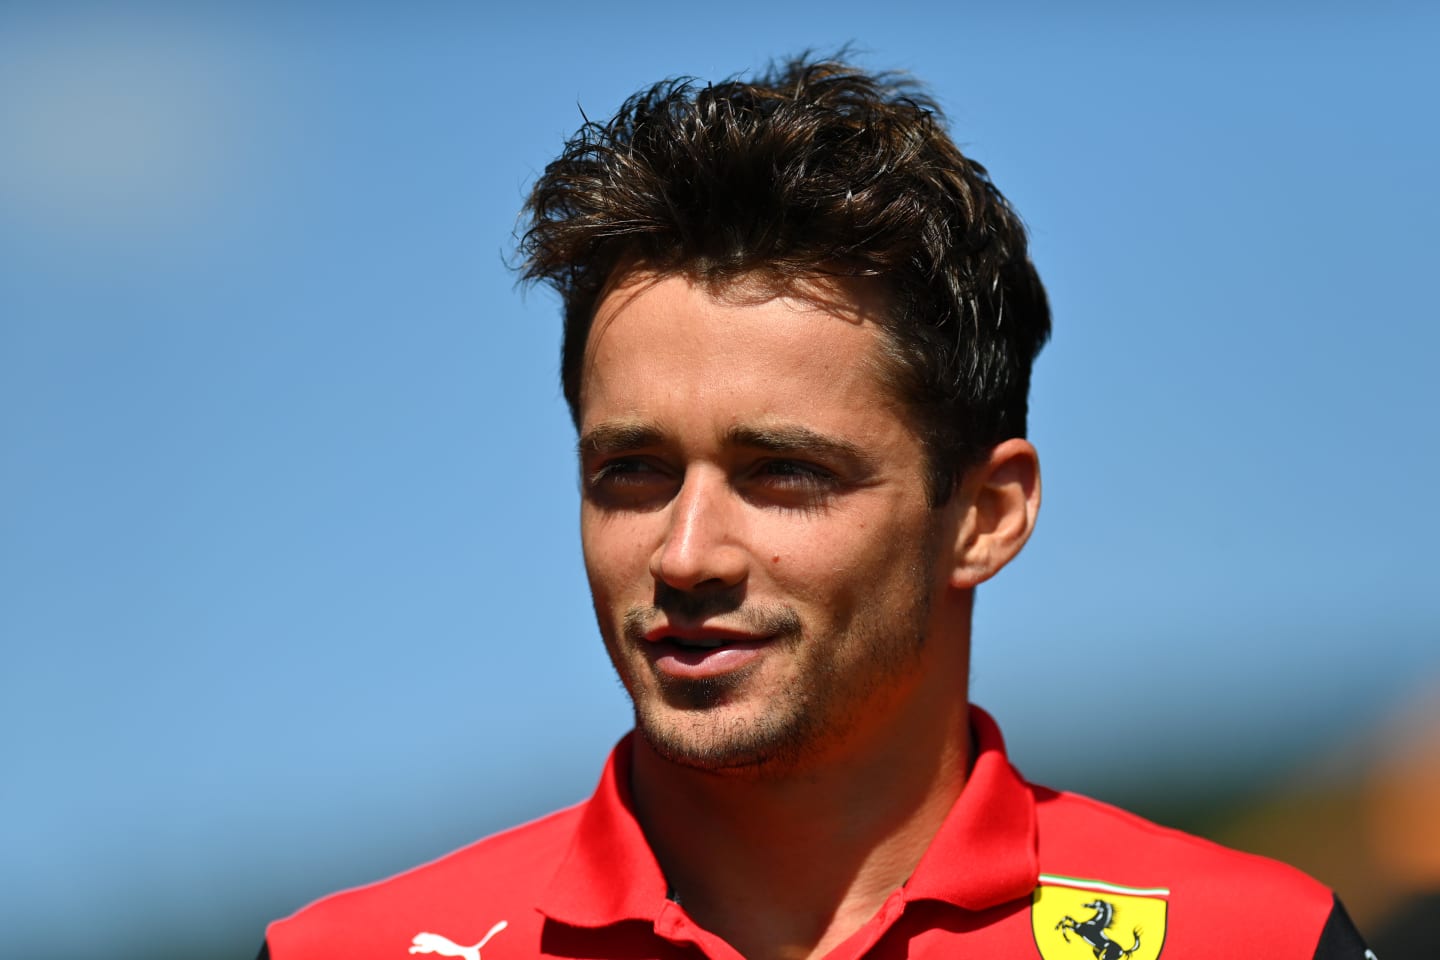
(755, 524)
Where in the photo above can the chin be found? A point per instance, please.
(725, 738)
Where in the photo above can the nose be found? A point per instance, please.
(701, 549)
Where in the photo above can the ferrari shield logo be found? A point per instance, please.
(1075, 919)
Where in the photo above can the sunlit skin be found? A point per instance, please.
(788, 612)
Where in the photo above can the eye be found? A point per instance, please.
(628, 482)
(621, 470)
(790, 483)
(794, 473)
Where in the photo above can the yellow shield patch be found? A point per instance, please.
(1076, 919)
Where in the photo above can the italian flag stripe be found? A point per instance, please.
(1078, 883)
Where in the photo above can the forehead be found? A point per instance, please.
(738, 342)
(687, 327)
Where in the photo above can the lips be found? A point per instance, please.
(699, 653)
(700, 638)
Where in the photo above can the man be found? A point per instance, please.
(799, 326)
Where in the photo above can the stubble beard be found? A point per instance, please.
(685, 721)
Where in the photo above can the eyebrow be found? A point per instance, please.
(792, 438)
(619, 436)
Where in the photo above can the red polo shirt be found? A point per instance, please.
(1015, 871)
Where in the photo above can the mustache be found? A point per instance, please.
(676, 605)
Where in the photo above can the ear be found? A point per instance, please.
(997, 501)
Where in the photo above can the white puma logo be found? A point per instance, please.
(445, 947)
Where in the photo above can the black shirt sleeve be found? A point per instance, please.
(1340, 940)
(265, 951)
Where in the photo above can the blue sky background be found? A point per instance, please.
(290, 587)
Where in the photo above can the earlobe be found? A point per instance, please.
(998, 500)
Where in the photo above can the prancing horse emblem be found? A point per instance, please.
(445, 947)
(1092, 931)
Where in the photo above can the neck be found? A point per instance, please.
(785, 865)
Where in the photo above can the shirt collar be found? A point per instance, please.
(609, 873)
(984, 853)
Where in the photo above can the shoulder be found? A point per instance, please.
(461, 897)
(1077, 829)
(1208, 890)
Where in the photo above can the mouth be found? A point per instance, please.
(707, 637)
(701, 643)
(701, 653)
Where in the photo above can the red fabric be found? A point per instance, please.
(583, 883)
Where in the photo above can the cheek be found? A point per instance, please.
(874, 559)
(613, 547)
(605, 577)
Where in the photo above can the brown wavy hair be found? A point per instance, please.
(811, 170)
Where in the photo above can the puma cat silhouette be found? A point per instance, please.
(445, 947)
